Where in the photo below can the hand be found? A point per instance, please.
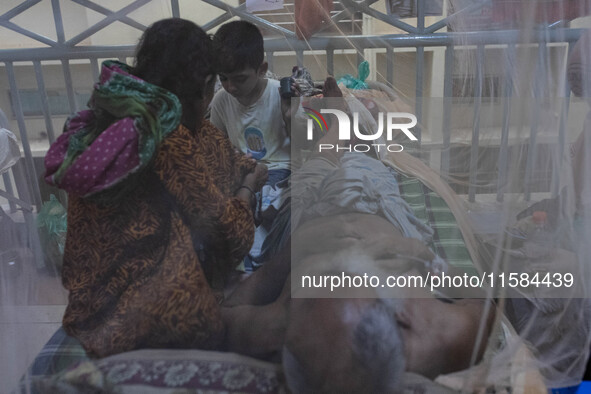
(239, 152)
(287, 110)
(247, 155)
(256, 179)
(333, 98)
(253, 182)
(331, 88)
(333, 93)
(261, 174)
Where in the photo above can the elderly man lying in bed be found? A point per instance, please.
(350, 220)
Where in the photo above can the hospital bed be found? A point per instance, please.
(473, 178)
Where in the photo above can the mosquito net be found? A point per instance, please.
(439, 198)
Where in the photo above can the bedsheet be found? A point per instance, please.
(428, 206)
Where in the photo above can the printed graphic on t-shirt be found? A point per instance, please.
(255, 143)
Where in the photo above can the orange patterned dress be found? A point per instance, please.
(133, 275)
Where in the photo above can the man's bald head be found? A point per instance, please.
(343, 346)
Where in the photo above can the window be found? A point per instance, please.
(463, 88)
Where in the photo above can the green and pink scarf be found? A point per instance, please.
(116, 137)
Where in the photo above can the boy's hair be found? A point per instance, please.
(238, 45)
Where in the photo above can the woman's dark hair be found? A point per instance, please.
(238, 45)
(176, 55)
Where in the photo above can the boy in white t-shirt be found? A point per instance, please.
(250, 110)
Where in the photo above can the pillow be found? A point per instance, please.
(166, 371)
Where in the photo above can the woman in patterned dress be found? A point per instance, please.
(159, 201)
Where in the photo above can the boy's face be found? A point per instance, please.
(241, 84)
